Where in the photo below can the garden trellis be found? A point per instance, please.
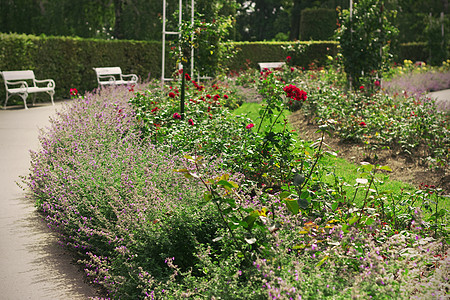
(165, 32)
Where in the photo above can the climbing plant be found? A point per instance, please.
(365, 37)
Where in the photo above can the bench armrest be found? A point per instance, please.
(108, 77)
(22, 83)
(133, 77)
(50, 82)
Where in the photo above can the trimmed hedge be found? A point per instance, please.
(302, 53)
(69, 61)
(317, 24)
(416, 51)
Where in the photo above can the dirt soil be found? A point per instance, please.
(404, 168)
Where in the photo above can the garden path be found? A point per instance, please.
(442, 99)
(32, 264)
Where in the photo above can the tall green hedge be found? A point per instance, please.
(317, 24)
(69, 61)
(302, 53)
(416, 51)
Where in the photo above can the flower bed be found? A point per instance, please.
(207, 205)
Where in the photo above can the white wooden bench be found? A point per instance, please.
(23, 83)
(114, 76)
(270, 65)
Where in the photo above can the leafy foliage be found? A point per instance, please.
(364, 40)
(161, 211)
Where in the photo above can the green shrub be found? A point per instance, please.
(69, 61)
(415, 51)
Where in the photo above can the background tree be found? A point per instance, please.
(141, 19)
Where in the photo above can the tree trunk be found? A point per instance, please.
(295, 20)
(117, 32)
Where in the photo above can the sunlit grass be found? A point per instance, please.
(336, 167)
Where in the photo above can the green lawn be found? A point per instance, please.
(338, 167)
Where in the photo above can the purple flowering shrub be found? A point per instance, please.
(416, 80)
(114, 197)
(142, 230)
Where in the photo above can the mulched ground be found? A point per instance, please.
(404, 168)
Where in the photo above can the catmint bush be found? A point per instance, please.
(114, 198)
(110, 182)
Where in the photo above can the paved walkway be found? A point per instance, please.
(442, 99)
(32, 264)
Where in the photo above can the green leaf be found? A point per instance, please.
(292, 205)
(335, 205)
(386, 168)
(229, 185)
(207, 196)
(352, 220)
(369, 221)
(345, 228)
(298, 179)
(230, 201)
(188, 157)
(367, 166)
(322, 261)
(305, 194)
(250, 219)
(284, 194)
(303, 203)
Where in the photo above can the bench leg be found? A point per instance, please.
(6, 101)
(23, 96)
(51, 96)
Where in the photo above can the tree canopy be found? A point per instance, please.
(255, 20)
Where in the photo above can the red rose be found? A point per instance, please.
(177, 116)
(172, 95)
(73, 92)
(191, 122)
(249, 125)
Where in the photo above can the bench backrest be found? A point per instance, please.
(108, 71)
(18, 75)
(270, 65)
